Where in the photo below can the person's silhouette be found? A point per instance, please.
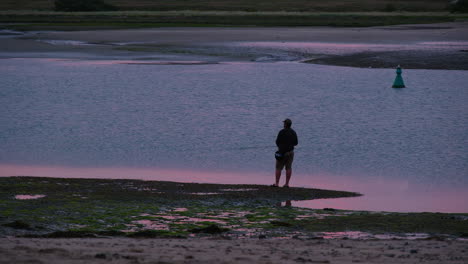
(286, 140)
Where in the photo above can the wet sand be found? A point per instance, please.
(219, 250)
(163, 41)
(280, 239)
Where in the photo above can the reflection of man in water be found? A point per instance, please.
(286, 204)
(286, 140)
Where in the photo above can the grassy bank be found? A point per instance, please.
(123, 19)
(91, 207)
(246, 5)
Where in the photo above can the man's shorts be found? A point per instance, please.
(286, 161)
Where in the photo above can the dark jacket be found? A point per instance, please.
(286, 140)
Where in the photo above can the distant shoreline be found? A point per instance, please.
(434, 60)
(212, 44)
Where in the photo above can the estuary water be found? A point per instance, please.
(403, 149)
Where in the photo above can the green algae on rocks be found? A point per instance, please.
(155, 209)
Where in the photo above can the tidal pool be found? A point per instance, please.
(29, 196)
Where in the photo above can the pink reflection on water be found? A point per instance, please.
(148, 224)
(406, 201)
(70, 62)
(239, 190)
(445, 43)
(205, 193)
(323, 47)
(29, 197)
(150, 174)
(365, 235)
(181, 209)
(344, 48)
(383, 194)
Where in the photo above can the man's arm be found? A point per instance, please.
(278, 139)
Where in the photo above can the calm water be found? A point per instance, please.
(404, 149)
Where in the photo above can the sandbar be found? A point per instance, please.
(432, 46)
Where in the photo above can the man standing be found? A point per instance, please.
(286, 140)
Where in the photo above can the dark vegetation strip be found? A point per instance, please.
(155, 19)
(248, 5)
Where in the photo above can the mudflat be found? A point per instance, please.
(430, 46)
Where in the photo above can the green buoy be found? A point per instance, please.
(398, 83)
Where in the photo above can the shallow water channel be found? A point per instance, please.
(404, 149)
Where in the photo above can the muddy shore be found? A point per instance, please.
(59, 207)
(54, 220)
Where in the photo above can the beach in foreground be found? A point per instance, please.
(53, 220)
(219, 250)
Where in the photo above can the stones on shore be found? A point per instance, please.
(77, 234)
(280, 223)
(153, 234)
(211, 229)
(115, 256)
(100, 256)
(18, 224)
(70, 234)
(304, 260)
(57, 251)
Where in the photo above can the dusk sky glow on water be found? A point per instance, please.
(405, 150)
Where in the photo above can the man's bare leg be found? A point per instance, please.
(288, 177)
(277, 177)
